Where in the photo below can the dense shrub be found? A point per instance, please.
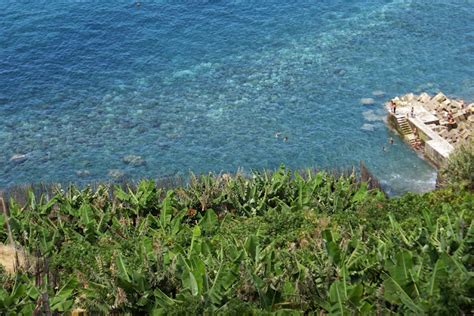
(280, 242)
(459, 171)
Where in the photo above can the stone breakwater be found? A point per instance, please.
(434, 126)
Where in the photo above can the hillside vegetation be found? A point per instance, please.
(459, 170)
(284, 243)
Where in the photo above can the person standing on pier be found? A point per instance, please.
(393, 106)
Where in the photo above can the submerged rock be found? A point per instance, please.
(371, 116)
(18, 158)
(367, 101)
(368, 127)
(83, 173)
(378, 93)
(116, 173)
(339, 72)
(134, 160)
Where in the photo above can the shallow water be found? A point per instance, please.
(205, 85)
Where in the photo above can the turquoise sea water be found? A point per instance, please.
(205, 85)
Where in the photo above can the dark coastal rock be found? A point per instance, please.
(134, 160)
(18, 158)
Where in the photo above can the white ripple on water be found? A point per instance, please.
(398, 182)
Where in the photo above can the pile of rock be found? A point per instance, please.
(454, 118)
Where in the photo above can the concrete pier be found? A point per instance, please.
(434, 126)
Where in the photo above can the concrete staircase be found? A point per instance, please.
(405, 129)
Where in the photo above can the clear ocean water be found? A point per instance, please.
(205, 85)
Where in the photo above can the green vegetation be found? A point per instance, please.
(273, 243)
(459, 171)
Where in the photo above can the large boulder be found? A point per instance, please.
(471, 108)
(409, 97)
(440, 97)
(424, 97)
(445, 104)
(456, 105)
(464, 134)
(459, 117)
(430, 105)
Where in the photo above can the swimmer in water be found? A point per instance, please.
(390, 141)
(285, 139)
(277, 134)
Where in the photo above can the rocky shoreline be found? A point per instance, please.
(434, 126)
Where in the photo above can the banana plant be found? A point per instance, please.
(141, 201)
(413, 279)
(21, 299)
(63, 300)
(346, 298)
(141, 295)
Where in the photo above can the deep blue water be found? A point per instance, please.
(205, 85)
